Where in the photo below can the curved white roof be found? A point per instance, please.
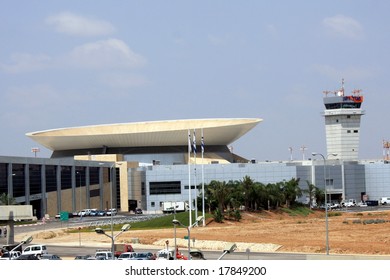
(144, 134)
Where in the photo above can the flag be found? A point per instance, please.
(202, 144)
(189, 143)
(194, 144)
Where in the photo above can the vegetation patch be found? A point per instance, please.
(334, 214)
(297, 211)
(374, 221)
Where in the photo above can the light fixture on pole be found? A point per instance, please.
(326, 204)
(329, 180)
(26, 240)
(79, 173)
(111, 195)
(124, 228)
(176, 222)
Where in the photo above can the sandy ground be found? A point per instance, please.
(366, 233)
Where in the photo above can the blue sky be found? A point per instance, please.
(74, 63)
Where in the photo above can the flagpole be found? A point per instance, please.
(195, 183)
(203, 206)
(189, 179)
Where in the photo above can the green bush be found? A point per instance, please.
(237, 215)
(218, 216)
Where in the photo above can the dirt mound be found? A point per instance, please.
(349, 232)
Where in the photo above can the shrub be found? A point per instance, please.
(218, 217)
(237, 215)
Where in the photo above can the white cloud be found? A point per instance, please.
(73, 24)
(24, 62)
(111, 53)
(343, 26)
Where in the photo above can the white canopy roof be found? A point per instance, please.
(145, 134)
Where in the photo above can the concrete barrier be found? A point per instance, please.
(16, 212)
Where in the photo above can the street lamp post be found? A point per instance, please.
(124, 228)
(79, 173)
(178, 223)
(27, 240)
(326, 204)
(111, 195)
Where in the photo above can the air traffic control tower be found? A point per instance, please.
(342, 123)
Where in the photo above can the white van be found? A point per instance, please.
(385, 200)
(37, 250)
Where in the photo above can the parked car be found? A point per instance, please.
(103, 255)
(138, 211)
(143, 256)
(50, 257)
(82, 257)
(28, 257)
(126, 256)
(93, 212)
(112, 211)
(37, 250)
(101, 213)
(385, 200)
(349, 203)
(11, 255)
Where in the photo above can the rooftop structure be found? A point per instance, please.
(141, 137)
(342, 122)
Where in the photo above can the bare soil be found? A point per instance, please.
(349, 232)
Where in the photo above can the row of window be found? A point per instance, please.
(35, 178)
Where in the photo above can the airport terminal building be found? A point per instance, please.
(141, 165)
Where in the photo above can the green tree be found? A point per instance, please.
(219, 191)
(247, 185)
(5, 199)
(319, 195)
(291, 191)
(311, 191)
(274, 195)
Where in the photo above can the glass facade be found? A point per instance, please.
(51, 178)
(35, 179)
(149, 186)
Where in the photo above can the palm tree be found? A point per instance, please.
(319, 195)
(247, 186)
(274, 195)
(260, 196)
(311, 191)
(291, 191)
(219, 191)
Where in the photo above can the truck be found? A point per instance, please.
(122, 248)
(349, 203)
(385, 200)
(169, 254)
(175, 206)
(103, 254)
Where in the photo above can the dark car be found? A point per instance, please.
(82, 257)
(101, 213)
(28, 257)
(143, 256)
(138, 211)
(50, 257)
